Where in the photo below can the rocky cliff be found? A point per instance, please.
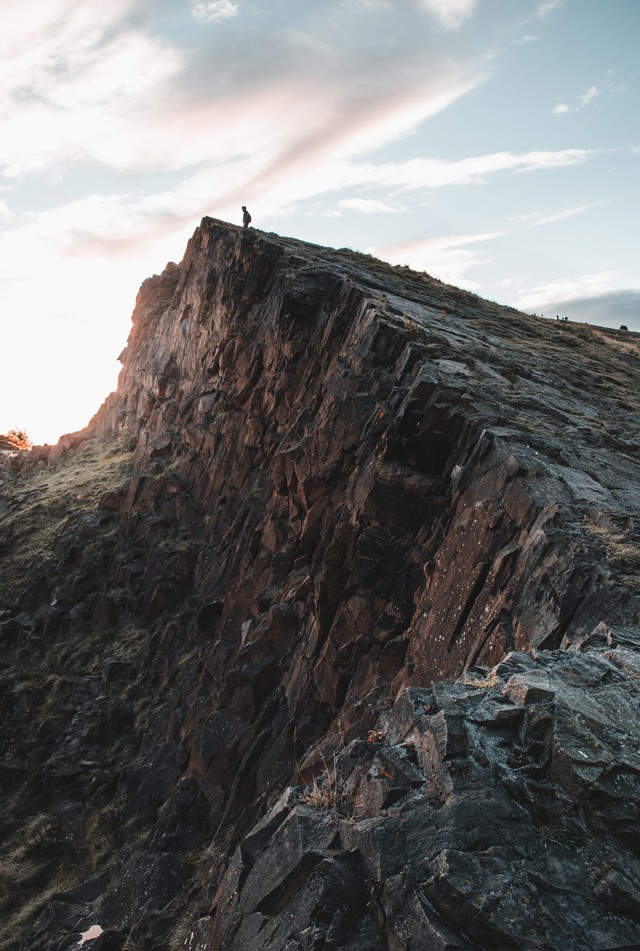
(325, 633)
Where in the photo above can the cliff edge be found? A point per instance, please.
(324, 634)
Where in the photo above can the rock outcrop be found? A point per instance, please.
(337, 646)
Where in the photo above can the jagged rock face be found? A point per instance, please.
(352, 484)
(333, 429)
(459, 824)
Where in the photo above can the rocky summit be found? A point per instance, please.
(325, 633)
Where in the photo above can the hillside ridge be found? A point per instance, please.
(324, 633)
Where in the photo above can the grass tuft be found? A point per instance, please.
(557, 834)
(324, 791)
(622, 550)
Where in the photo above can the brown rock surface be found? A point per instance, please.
(336, 488)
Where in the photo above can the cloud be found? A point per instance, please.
(537, 218)
(104, 227)
(134, 118)
(284, 112)
(325, 125)
(586, 97)
(282, 181)
(120, 225)
(605, 86)
(262, 111)
(74, 84)
(556, 293)
(446, 257)
(48, 42)
(608, 308)
(268, 106)
(451, 14)
(81, 85)
(368, 206)
(436, 173)
(214, 10)
(546, 7)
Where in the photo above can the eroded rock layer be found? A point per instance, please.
(347, 654)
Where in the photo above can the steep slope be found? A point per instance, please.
(348, 659)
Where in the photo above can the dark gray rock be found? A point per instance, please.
(344, 653)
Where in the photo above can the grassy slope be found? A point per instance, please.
(35, 509)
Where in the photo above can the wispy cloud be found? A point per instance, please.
(66, 88)
(214, 10)
(565, 289)
(447, 257)
(435, 173)
(527, 38)
(451, 14)
(537, 218)
(113, 225)
(283, 180)
(546, 7)
(593, 298)
(368, 206)
(123, 123)
(312, 97)
(78, 84)
(287, 115)
(584, 99)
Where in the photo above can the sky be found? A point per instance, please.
(494, 144)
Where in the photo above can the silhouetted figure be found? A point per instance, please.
(246, 217)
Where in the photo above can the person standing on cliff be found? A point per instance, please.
(246, 217)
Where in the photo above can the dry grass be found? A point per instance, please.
(101, 829)
(624, 342)
(135, 940)
(36, 505)
(181, 934)
(622, 551)
(38, 692)
(31, 872)
(324, 791)
(557, 834)
(481, 683)
(36, 863)
(31, 905)
(321, 793)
